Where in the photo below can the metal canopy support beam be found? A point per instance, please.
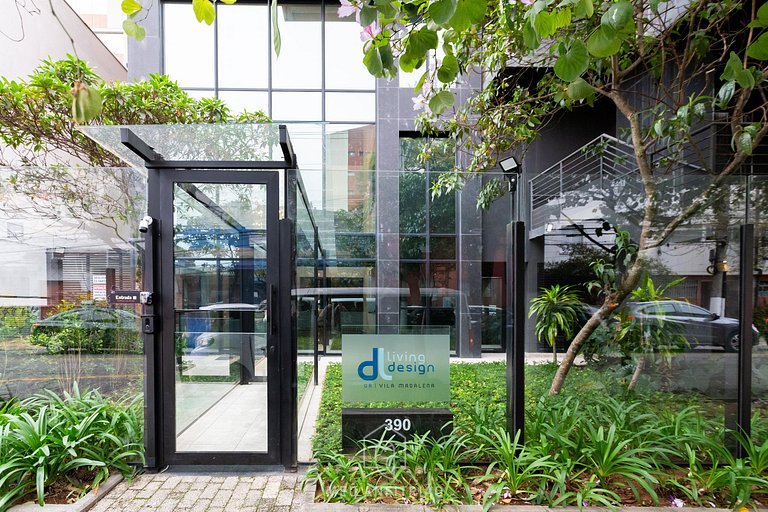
(138, 146)
(287, 147)
(154, 160)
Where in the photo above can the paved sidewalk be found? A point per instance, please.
(262, 491)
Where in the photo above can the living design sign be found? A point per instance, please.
(395, 367)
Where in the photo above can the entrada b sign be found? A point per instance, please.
(395, 368)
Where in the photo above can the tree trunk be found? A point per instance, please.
(636, 374)
(554, 351)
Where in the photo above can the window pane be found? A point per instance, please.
(413, 202)
(442, 247)
(237, 101)
(344, 68)
(188, 47)
(342, 106)
(351, 147)
(442, 212)
(299, 63)
(296, 106)
(243, 45)
(413, 247)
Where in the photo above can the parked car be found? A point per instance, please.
(89, 329)
(221, 326)
(701, 326)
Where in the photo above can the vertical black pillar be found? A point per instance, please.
(746, 311)
(151, 275)
(516, 323)
(288, 347)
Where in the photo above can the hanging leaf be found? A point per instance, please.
(276, 41)
(759, 48)
(134, 30)
(734, 70)
(228, 2)
(204, 11)
(579, 89)
(442, 11)
(725, 94)
(604, 42)
(86, 102)
(468, 13)
(571, 64)
(618, 15)
(441, 101)
(373, 61)
(131, 7)
(448, 70)
(584, 9)
(368, 14)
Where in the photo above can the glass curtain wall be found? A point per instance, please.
(59, 260)
(670, 350)
(318, 76)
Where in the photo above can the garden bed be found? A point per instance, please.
(597, 444)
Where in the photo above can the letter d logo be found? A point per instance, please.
(373, 363)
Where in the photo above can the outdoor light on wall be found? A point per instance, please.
(512, 171)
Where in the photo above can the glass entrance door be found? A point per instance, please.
(222, 249)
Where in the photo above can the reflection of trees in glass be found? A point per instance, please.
(422, 159)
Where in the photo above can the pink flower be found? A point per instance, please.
(347, 8)
(370, 31)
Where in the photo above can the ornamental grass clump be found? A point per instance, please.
(48, 438)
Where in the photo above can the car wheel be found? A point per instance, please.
(732, 342)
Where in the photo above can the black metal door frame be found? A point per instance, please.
(166, 180)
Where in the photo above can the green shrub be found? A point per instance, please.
(47, 437)
(73, 338)
(16, 321)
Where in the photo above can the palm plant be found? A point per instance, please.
(557, 310)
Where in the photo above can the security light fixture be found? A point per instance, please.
(512, 171)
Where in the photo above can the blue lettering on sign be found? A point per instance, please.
(376, 364)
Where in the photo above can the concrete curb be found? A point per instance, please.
(81, 505)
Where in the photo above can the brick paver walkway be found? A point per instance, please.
(197, 492)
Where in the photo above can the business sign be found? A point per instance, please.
(125, 297)
(99, 286)
(395, 367)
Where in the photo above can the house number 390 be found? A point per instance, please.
(397, 424)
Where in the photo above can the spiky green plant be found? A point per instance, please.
(556, 309)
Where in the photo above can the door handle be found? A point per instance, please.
(272, 308)
(272, 351)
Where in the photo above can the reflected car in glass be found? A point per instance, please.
(89, 329)
(700, 326)
(223, 325)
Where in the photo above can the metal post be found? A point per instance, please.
(746, 311)
(516, 319)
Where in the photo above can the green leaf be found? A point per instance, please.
(133, 29)
(604, 42)
(544, 24)
(468, 13)
(228, 2)
(759, 48)
(725, 94)
(584, 9)
(744, 142)
(734, 70)
(368, 14)
(530, 38)
(570, 65)
(387, 59)
(130, 7)
(441, 101)
(448, 70)
(442, 11)
(421, 41)
(204, 11)
(579, 89)
(762, 13)
(373, 61)
(618, 15)
(276, 40)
